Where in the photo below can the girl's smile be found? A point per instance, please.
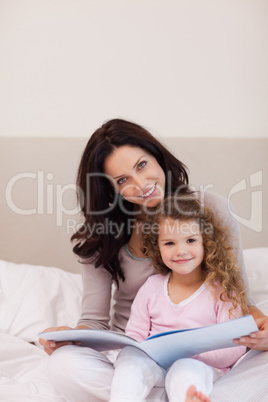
(136, 175)
(182, 261)
(181, 246)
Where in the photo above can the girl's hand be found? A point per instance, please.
(256, 340)
(50, 346)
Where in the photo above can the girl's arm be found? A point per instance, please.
(139, 323)
(223, 358)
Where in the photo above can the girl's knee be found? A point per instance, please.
(184, 365)
(184, 368)
(131, 356)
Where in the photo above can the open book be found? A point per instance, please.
(167, 347)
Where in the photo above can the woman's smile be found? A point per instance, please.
(148, 193)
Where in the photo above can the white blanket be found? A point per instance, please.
(23, 374)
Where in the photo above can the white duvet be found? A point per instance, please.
(23, 374)
(33, 298)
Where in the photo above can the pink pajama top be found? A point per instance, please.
(153, 311)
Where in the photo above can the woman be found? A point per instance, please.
(124, 172)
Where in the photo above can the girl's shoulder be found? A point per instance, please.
(216, 289)
(215, 284)
(153, 285)
(155, 280)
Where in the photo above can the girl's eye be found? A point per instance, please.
(191, 240)
(142, 164)
(169, 243)
(121, 181)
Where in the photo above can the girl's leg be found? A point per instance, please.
(246, 382)
(135, 376)
(81, 374)
(187, 372)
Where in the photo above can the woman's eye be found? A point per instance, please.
(121, 181)
(142, 164)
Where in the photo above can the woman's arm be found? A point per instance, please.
(256, 340)
(219, 205)
(96, 301)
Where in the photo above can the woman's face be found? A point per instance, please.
(136, 175)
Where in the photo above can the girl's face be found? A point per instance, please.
(181, 245)
(136, 175)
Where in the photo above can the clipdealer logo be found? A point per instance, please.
(50, 199)
(49, 196)
(255, 221)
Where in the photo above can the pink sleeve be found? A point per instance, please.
(223, 358)
(138, 325)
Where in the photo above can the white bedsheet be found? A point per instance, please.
(23, 374)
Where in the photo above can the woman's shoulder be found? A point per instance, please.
(213, 199)
(217, 203)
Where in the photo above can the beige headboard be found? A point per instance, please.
(37, 191)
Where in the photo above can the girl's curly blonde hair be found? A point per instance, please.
(219, 263)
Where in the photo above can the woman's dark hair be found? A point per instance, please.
(102, 208)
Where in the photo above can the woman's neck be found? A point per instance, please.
(140, 214)
(135, 242)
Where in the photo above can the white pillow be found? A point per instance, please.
(256, 260)
(33, 298)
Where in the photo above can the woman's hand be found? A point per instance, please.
(256, 340)
(50, 346)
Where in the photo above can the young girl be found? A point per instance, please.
(199, 284)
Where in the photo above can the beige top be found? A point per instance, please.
(97, 310)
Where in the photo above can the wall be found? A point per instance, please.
(179, 67)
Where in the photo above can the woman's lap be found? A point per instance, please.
(75, 370)
(246, 382)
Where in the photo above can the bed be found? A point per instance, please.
(51, 296)
(40, 279)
